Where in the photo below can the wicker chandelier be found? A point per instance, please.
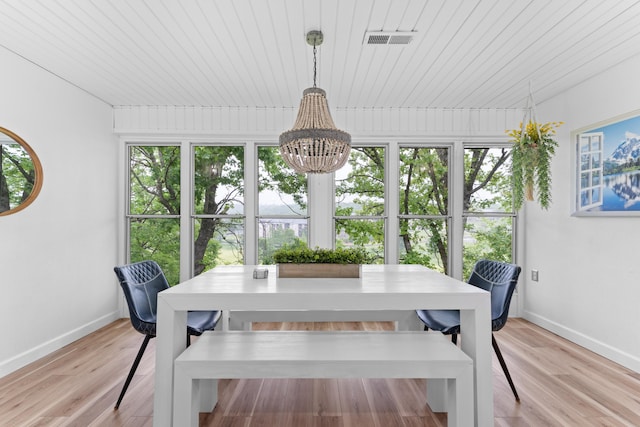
(314, 144)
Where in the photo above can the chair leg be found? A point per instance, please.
(504, 366)
(454, 338)
(132, 371)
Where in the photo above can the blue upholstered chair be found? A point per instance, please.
(500, 279)
(141, 283)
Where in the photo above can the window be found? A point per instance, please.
(20, 173)
(423, 195)
(590, 181)
(239, 214)
(360, 207)
(153, 211)
(489, 218)
(282, 205)
(218, 206)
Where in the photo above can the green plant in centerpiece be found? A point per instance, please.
(533, 148)
(287, 255)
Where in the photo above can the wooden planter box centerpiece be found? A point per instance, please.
(318, 270)
(321, 263)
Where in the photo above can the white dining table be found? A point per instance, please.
(380, 288)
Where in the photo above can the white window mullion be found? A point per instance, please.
(186, 211)
(321, 227)
(456, 177)
(250, 203)
(392, 166)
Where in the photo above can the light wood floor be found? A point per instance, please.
(560, 384)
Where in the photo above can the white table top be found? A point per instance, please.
(381, 287)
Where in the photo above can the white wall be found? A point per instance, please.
(57, 255)
(589, 288)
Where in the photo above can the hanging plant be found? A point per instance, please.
(533, 148)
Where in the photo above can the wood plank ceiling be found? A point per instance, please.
(252, 53)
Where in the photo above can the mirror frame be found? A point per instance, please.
(37, 166)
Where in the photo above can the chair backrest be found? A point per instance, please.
(499, 278)
(141, 282)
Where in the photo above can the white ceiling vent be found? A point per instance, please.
(388, 38)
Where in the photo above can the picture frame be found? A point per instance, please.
(607, 167)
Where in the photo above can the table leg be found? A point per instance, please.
(170, 342)
(437, 392)
(476, 343)
(408, 321)
(208, 394)
(226, 321)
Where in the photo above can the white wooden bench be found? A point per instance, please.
(304, 354)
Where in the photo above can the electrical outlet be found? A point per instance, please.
(534, 275)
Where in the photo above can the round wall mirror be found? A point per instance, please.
(20, 173)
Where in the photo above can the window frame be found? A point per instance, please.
(251, 215)
(193, 217)
(491, 214)
(127, 199)
(590, 188)
(385, 215)
(256, 197)
(448, 218)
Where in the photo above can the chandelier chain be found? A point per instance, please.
(315, 68)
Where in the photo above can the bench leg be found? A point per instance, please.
(192, 396)
(185, 399)
(453, 396)
(460, 399)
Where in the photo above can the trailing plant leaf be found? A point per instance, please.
(518, 179)
(533, 149)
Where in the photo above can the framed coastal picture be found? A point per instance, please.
(607, 167)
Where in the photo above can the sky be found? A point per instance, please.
(614, 133)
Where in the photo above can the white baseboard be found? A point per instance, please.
(627, 360)
(29, 356)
